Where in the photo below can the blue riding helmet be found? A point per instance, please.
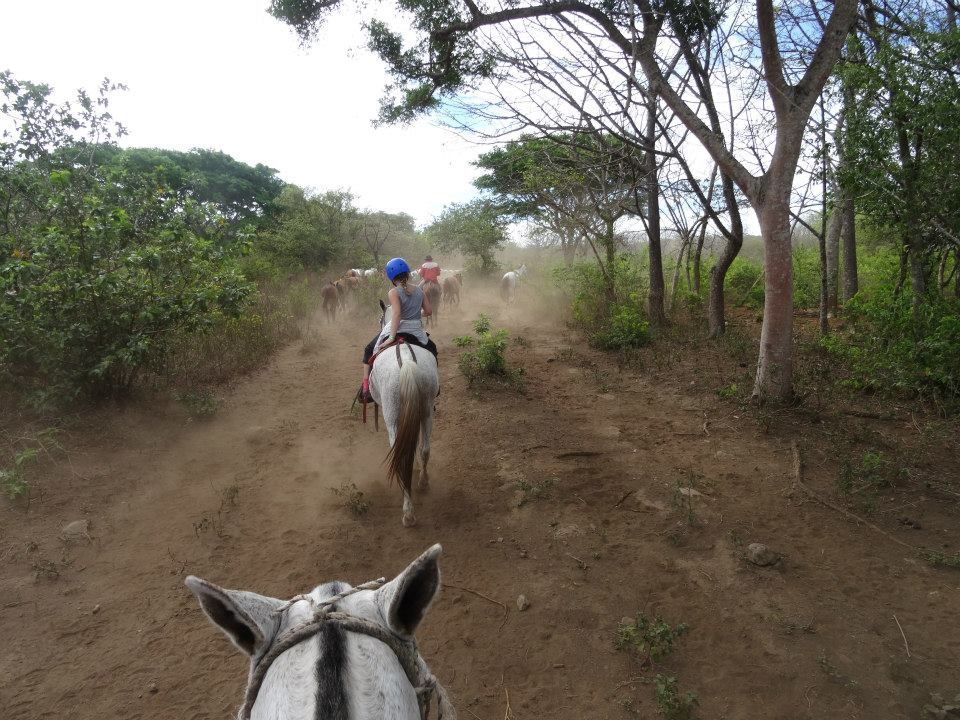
(396, 267)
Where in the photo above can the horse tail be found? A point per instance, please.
(412, 406)
(505, 288)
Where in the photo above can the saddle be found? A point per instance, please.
(401, 339)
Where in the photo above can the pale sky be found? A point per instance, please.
(225, 75)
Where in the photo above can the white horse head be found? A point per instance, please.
(522, 270)
(354, 658)
(404, 382)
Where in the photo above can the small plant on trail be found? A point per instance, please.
(941, 559)
(13, 480)
(670, 702)
(728, 392)
(536, 490)
(200, 403)
(652, 640)
(521, 341)
(352, 498)
(866, 478)
(487, 359)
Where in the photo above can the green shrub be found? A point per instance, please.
(744, 283)
(870, 475)
(624, 328)
(651, 639)
(806, 277)
(670, 702)
(487, 358)
(887, 350)
(609, 326)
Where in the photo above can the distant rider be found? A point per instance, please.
(430, 271)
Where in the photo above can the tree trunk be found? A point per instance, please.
(716, 315)
(774, 378)
(834, 227)
(848, 242)
(918, 275)
(684, 245)
(824, 315)
(956, 275)
(609, 244)
(655, 299)
(696, 259)
(569, 250)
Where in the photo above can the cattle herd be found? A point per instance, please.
(338, 294)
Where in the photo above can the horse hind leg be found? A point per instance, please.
(409, 517)
(423, 483)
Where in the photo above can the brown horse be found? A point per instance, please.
(330, 295)
(434, 294)
(346, 286)
(451, 289)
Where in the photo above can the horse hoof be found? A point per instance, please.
(409, 520)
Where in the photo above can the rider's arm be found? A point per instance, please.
(394, 298)
(427, 309)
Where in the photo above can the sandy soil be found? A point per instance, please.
(102, 627)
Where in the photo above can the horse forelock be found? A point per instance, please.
(331, 698)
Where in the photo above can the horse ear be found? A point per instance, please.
(246, 618)
(406, 599)
(382, 306)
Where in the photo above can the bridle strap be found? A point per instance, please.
(416, 670)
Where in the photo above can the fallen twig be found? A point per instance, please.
(905, 645)
(624, 497)
(577, 453)
(481, 595)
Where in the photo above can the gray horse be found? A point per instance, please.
(404, 382)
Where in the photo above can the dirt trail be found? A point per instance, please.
(104, 628)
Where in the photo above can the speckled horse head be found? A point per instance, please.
(335, 673)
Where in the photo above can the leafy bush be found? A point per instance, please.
(624, 328)
(609, 326)
(88, 312)
(888, 350)
(806, 277)
(235, 345)
(101, 265)
(487, 359)
(744, 283)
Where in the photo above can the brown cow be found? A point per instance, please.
(347, 286)
(451, 289)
